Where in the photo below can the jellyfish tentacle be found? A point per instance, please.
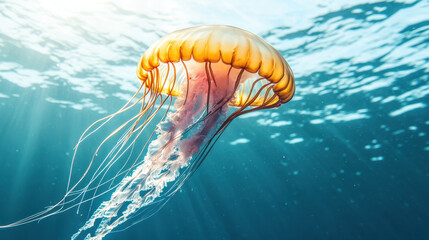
(83, 138)
(124, 108)
(150, 106)
(144, 124)
(267, 92)
(208, 87)
(141, 128)
(187, 81)
(138, 116)
(108, 155)
(115, 158)
(251, 88)
(212, 74)
(250, 101)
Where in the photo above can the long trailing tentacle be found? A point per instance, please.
(112, 161)
(66, 203)
(140, 129)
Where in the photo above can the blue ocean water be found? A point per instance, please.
(347, 158)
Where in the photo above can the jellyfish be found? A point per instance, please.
(194, 82)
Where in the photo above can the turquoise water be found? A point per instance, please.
(347, 158)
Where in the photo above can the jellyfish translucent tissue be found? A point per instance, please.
(194, 82)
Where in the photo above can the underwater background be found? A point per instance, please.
(347, 158)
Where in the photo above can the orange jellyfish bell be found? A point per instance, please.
(231, 47)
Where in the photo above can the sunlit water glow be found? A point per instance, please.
(347, 158)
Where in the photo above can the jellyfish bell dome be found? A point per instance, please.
(221, 53)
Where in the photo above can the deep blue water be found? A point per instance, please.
(347, 158)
